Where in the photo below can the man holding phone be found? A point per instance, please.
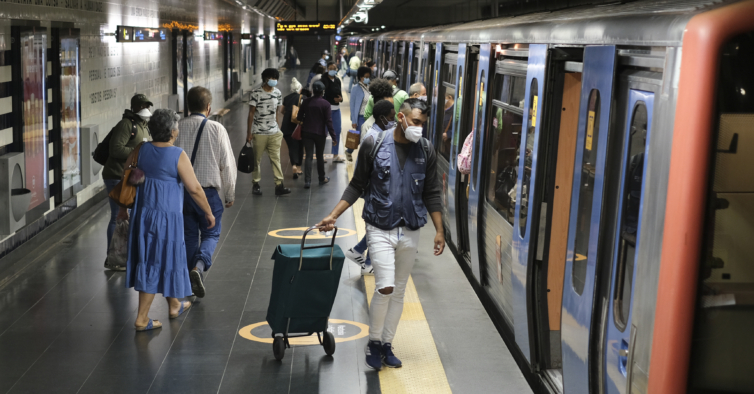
(397, 175)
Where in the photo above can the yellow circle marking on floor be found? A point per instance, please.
(314, 234)
(245, 332)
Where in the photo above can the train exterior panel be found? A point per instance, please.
(588, 225)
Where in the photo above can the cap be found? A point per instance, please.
(140, 99)
(325, 52)
(390, 75)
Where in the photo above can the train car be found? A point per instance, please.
(608, 216)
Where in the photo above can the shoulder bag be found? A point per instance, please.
(124, 192)
(464, 158)
(247, 160)
(294, 111)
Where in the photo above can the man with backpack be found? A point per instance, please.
(396, 172)
(123, 139)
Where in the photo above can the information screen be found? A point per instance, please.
(213, 36)
(124, 34)
(293, 28)
(145, 34)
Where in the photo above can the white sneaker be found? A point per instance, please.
(367, 269)
(355, 256)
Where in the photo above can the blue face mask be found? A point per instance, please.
(272, 83)
(366, 81)
(332, 72)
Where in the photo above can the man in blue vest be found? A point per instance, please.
(397, 175)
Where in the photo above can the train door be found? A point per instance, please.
(446, 64)
(586, 217)
(475, 190)
(409, 72)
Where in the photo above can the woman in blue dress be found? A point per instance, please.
(156, 253)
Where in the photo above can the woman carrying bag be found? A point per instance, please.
(314, 131)
(291, 104)
(156, 251)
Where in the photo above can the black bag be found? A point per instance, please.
(246, 160)
(102, 151)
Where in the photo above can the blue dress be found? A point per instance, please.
(157, 252)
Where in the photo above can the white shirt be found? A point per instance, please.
(215, 164)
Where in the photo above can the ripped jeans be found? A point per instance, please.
(393, 255)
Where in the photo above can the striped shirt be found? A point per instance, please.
(215, 164)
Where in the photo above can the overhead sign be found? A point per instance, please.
(140, 34)
(285, 28)
(213, 36)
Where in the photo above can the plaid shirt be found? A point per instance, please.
(215, 164)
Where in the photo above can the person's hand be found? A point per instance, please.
(228, 205)
(353, 126)
(122, 214)
(445, 136)
(439, 243)
(327, 224)
(210, 220)
(249, 137)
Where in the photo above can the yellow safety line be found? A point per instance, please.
(422, 370)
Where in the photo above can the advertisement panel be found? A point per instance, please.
(34, 108)
(70, 125)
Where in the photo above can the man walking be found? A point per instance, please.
(124, 137)
(400, 185)
(263, 128)
(207, 144)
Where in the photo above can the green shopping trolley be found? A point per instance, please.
(304, 283)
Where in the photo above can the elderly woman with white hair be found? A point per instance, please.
(156, 251)
(295, 147)
(354, 65)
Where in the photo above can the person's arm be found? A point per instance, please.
(369, 108)
(432, 197)
(279, 116)
(250, 122)
(302, 110)
(192, 185)
(355, 189)
(121, 135)
(227, 165)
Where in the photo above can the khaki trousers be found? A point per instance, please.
(270, 144)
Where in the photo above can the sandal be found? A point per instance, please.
(180, 312)
(151, 325)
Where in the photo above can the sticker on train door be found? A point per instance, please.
(534, 111)
(589, 131)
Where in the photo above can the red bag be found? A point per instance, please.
(297, 133)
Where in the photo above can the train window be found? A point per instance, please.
(586, 193)
(505, 133)
(518, 90)
(524, 196)
(629, 220)
(479, 116)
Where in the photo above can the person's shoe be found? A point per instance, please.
(295, 175)
(388, 358)
(355, 256)
(374, 355)
(197, 283)
(281, 190)
(322, 182)
(256, 190)
(349, 156)
(307, 185)
(114, 267)
(367, 269)
(338, 159)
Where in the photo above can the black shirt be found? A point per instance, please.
(288, 102)
(432, 194)
(332, 89)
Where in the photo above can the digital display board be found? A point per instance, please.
(287, 28)
(140, 34)
(247, 36)
(213, 36)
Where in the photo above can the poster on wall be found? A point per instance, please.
(34, 108)
(179, 76)
(70, 125)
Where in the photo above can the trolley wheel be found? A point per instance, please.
(328, 342)
(278, 348)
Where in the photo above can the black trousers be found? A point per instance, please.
(295, 149)
(310, 142)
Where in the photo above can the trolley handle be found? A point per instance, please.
(303, 246)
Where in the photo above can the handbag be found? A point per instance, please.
(298, 61)
(297, 133)
(464, 158)
(124, 192)
(247, 160)
(294, 111)
(117, 254)
(353, 138)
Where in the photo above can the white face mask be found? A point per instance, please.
(412, 133)
(423, 98)
(144, 114)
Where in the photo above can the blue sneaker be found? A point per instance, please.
(388, 358)
(374, 355)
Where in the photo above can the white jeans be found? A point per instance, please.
(393, 254)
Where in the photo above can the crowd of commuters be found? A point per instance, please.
(170, 245)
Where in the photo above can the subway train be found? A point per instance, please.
(600, 224)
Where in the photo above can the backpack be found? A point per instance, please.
(102, 151)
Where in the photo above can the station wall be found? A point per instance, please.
(111, 72)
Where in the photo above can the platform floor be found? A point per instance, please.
(66, 324)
